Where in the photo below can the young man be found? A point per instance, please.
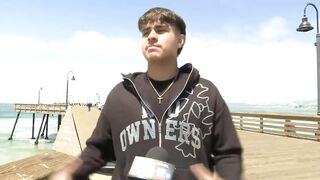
(168, 107)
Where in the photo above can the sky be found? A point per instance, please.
(249, 49)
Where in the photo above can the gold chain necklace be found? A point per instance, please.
(160, 96)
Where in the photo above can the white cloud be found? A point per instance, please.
(267, 67)
(18, 48)
(272, 29)
(96, 60)
(96, 45)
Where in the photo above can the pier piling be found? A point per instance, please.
(14, 127)
(33, 120)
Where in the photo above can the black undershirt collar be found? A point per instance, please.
(161, 85)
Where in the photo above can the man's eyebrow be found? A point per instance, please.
(146, 28)
(154, 26)
(161, 25)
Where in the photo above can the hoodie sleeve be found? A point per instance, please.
(227, 149)
(99, 149)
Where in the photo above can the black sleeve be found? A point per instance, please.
(99, 149)
(227, 149)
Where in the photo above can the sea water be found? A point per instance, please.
(21, 145)
(301, 108)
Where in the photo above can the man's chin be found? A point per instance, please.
(154, 58)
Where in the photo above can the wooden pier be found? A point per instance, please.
(41, 108)
(279, 146)
(46, 110)
(276, 146)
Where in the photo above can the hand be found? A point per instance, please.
(61, 175)
(203, 173)
(67, 172)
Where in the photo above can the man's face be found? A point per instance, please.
(160, 42)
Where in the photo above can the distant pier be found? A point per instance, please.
(41, 108)
(46, 110)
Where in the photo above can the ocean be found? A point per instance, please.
(22, 146)
(300, 107)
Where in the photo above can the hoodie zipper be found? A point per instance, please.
(147, 107)
(160, 122)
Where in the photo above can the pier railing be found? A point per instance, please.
(298, 126)
(41, 108)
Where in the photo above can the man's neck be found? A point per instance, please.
(162, 71)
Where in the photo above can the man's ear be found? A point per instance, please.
(181, 40)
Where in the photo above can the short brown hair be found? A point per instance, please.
(163, 15)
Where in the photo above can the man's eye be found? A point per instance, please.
(161, 30)
(145, 34)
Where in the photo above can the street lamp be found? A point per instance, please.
(98, 98)
(304, 27)
(39, 95)
(67, 95)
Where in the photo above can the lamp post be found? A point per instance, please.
(67, 95)
(39, 94)
(98, 98)
(304, 27)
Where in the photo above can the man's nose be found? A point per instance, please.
(153, 35)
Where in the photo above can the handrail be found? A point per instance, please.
(291, 125)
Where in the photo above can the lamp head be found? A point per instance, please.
(73, 78)
(305, 25)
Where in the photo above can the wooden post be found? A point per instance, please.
(36, 142)
(59, 121)
(45, 127)
(288, 128)
(318, 133)
(286, 131)
(261, 124)
(241, 122)
(14, 126)
(33, 119)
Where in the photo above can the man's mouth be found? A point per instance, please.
(152, 47)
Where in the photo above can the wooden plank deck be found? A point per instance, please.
(277, 157)
(265, 157)
(34, 167)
